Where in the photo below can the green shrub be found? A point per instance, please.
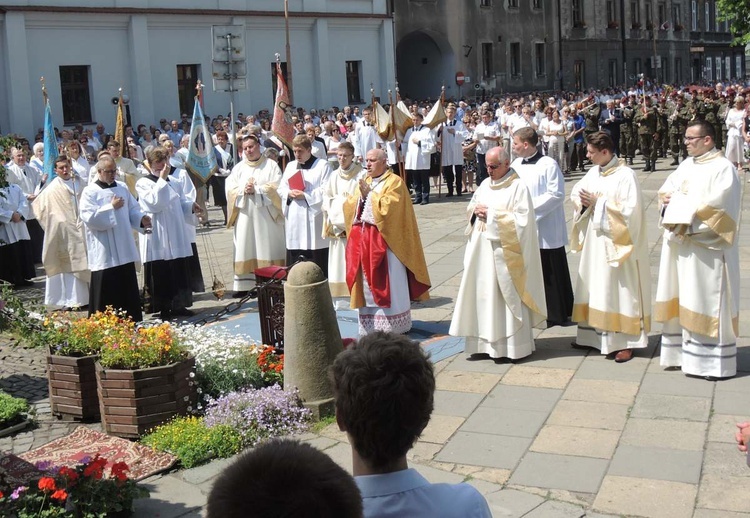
(218, 378)
(190, 440)
(11, 407)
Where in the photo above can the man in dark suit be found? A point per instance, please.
(609, 122)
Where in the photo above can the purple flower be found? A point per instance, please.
(15, 495)
(258, 414)
(43, 465)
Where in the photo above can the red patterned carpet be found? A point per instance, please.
(83, 442)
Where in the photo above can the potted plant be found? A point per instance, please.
(579, 24)
(144, 378)
(636, 25)
(613, 24)
(13, 414)
(650, 26)
(84, 491)
(74, 346)
(678, 27)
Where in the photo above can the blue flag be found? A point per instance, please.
(50, 144)
(201, 160)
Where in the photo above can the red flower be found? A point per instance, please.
(68, 474)
(47, 484)
(1, 495)
(95, 468)
(118, 471)
(60, 495)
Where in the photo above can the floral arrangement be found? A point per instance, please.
(223, 362)
(12, 409)
(16, 315)
(144, 347)
(69, 336)
(6, 143)
(81, 492)
(613, 24)
(271, 365)
(260, 414)
(191, 441)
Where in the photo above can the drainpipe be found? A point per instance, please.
(559, 43)
(622, 35)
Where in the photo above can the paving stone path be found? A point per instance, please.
(563, 433)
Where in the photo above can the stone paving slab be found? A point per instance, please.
(605, 416)
(506, 421)
(460, 381)
(510, 503)
(581, 442)
(459, 404)
(660, 433)
(667, 384)
(522, 398)
(552, 509)
(645, 497)
(528, 376)
(494, 451)
(726, 402)
(601, 391)
(560, 472)
(657, 463)
(653, 406)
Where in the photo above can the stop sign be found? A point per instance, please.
(460, 78)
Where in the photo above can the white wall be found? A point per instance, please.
(140, 52)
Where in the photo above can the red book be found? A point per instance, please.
(297, 181)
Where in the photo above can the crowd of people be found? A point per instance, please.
(338, 195)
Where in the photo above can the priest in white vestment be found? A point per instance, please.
(64, 252)
(385, 264)
(302, 204)
(16, 263)
(30, 182)
(613, 290)
(255, 214)
(110, 214)
(698, 292)
(501, 297)
(342, 184)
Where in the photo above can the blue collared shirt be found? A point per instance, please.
(406, 493)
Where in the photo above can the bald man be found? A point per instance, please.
(501, 297)
(385, 264)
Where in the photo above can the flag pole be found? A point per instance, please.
(288, 54)
(395, 135)
(399, 157)
(442, 146)
(44, 91)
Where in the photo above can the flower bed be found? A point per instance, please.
(85, 491)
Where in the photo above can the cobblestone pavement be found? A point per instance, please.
(563, 433)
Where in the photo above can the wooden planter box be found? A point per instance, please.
(134, 401)
(72, 387)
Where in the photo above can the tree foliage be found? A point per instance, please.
(737, 13)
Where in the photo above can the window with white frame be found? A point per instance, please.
(708, 73)
(577, 9)
(738, 66)
(727, 67)
(611, 11)
(635, 14)
(694, 15)
(485, 3)
(707, 16)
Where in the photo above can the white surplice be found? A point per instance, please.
(109, 236)
(340, 186)
(12, 199)
(613, 290)
(304, 217)
(698, 292)
(165, 202)
(257, 219)
(501, 297)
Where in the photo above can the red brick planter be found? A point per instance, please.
(72, 387)
(134, 401)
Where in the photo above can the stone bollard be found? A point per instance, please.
(311, 337)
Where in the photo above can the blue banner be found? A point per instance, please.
(201, 160)
(50, 144)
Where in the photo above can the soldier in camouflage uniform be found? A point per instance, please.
(591, 113)
(678, 119)
(663, 111)
(647, 122)
(627, 131)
